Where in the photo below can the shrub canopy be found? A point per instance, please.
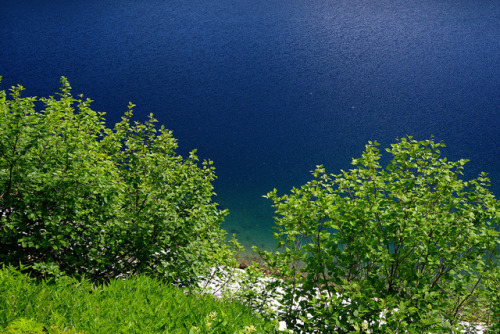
(411, 244)
(82, 198)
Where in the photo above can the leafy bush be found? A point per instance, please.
(80, 198)
(134, 305)
(409, 247)
(492, 300)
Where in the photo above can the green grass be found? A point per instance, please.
(136, 305)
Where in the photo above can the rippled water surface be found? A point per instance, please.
(270, 88)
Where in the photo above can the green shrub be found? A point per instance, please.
(135, 305)
(80, 198)
(411, 244)
(491, 311)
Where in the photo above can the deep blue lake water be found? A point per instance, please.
(268, 89)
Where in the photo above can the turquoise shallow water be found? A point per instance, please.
(251, 219)
(268, 89)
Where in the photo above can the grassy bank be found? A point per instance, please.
(138, 305)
